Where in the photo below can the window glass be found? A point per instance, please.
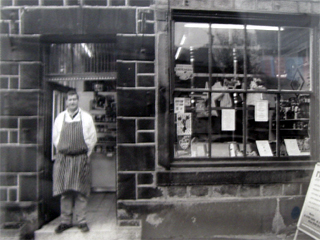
(295, 59)
(262, 56)
(294, 126)
(230, 91)
(191, 54)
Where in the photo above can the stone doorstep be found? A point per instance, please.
(101, 228)
(114, 233)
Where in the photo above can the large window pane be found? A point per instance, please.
(191, 44)
(294, 126)
(227, 48)
(228, 91)
(295, 60)
(262, 55)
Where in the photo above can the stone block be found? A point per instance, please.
(136, 103)
(52, 2)
(290, 209)
(30, 76)
(205, 219)
(136, 158)
(126, 131)
(13, 195)
(15, 48)
(18, 159)
(126, 74)
(9, 69)
(126, 186)
(315, 7)
(145, 81)
(141, 3)
(145, 137)
(73, 2)
(177, 3)
(145, 124)
(264, 5)
(291, 189)
(249, 191)
(199, 4)
(28, 130)
(146, 27)
(177, 191)
(145, 67)
(28, 188)
(304, 188)
(13, 137)
(145, 178)
(8, 180)
(4, 28)
(9, 122)
(4, 83)
(27, 2)
(225, 191)
(136, 47)
(3, 195)
(19, 104)
(4, 138)
(9, 14)
(246, 5)
(149, 193)
(95, 2)
(117, 2)
(285, 6)
(223, 4)
(304, 7)
(199, 191)
(272, 190)
(14, 83)
(52, 21)
(109, 20)
(146, 13)
(6, 3)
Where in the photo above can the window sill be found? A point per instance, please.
(210, 173)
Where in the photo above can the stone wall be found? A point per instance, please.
(145, 189)
(25, 172)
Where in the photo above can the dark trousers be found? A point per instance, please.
(73, 203)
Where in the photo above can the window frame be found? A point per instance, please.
(288, 20)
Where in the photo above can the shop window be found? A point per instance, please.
(240, 89)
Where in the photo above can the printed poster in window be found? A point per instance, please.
(184, 146)
(184, 71)
(261, 111)
(184, 124)
(179, 104)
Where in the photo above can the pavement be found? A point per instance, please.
(103, 225)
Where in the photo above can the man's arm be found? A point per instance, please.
(91, 134)
(56, 130)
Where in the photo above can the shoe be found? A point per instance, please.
(84, 227)
(62, 227)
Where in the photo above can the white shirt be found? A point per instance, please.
(88, 127)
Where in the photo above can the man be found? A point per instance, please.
(74, 136)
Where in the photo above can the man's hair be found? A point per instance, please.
(72, 93)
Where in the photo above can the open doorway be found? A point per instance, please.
(90, 69)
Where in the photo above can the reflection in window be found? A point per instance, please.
(240, 90)
(71, 58)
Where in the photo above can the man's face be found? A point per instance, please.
(72, 102)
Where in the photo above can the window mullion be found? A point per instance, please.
(278, 97)
(209, 93)
(244, 103)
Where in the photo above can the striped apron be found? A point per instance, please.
(71, 169)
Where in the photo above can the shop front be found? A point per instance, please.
(207, 112)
